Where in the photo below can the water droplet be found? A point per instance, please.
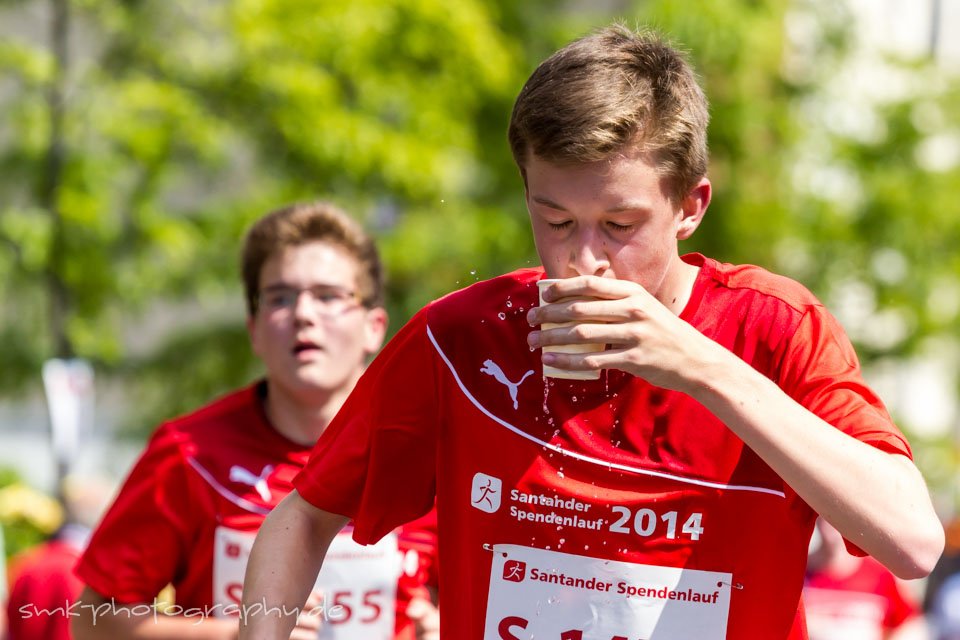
(574, 398)
(560, 474)
(562, 540)
(509, 304)
(473, 272)
(502, 315)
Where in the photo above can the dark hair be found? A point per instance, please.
(298, 224)
(608, 91)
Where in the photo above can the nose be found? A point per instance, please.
(589, 255)
(304, 309)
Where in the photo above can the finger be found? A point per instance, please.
(426, 618)
(590, 287)
(600, 334)
(589, 310)
(573, 361)
(315, 599)
(310, 620)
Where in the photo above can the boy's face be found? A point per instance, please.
(612, 219)
(310, 329)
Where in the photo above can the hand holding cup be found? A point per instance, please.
(554, 372)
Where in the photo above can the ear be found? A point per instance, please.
(375, 329)
(692, 208)
(251, 333)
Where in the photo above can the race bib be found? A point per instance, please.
(549, 595)
(359, 583)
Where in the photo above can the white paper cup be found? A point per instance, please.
(554, 372)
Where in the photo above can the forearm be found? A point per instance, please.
(97, 617)
(283, 567)
(867, 494)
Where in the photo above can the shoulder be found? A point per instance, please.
(748, 279)
(207, 426)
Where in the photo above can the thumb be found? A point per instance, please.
(418, 609)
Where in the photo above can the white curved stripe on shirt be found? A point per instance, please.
(243, 503)
(585, 458)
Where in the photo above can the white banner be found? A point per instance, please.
(69, 388)
(549, 595)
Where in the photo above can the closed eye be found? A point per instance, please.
(619, 227)
(559, 226)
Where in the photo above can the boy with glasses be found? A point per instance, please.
(189, 510)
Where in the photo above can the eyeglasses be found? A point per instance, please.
(327, 300)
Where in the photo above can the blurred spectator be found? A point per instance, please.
(851, 597)
(42, 584)
(941, 602)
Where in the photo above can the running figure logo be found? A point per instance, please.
(514, 570)
(485, 494)
(491, 368)
(245, 476)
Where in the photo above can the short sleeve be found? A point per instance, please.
(140, 545)
(820, 371)
(376, 462)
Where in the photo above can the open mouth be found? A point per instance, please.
(305, 347)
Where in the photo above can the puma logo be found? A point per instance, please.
(491, 368)
(245, 476)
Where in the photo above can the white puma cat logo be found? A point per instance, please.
(245, 476)
(491, 368)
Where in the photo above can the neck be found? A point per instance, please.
(303, 419)
(678, 286)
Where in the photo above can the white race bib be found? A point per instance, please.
(359, 583)
(550, 595)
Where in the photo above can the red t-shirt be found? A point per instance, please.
(866, 605)
(42, 591)
(190, 509)
(598, 509)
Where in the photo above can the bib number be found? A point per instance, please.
(359, 583)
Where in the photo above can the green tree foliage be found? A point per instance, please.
(144, 136)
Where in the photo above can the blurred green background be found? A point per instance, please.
(139, 138)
